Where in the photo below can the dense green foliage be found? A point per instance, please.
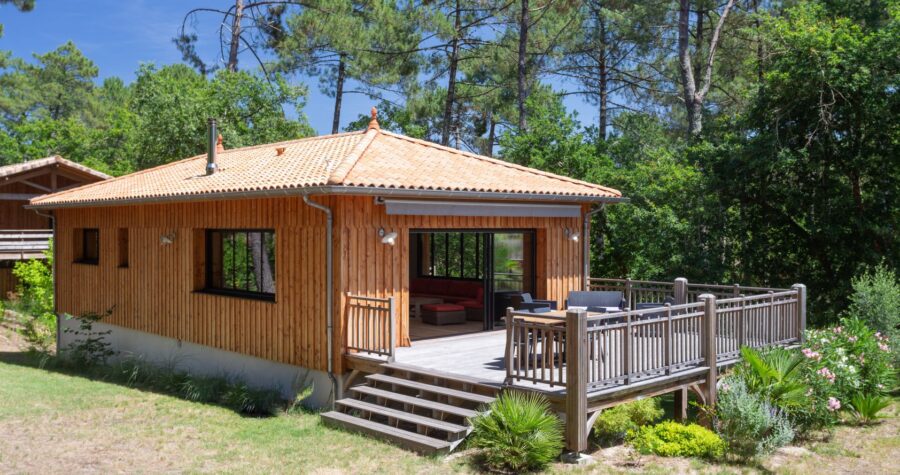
(518, 433)
(866, 407)
(876, 301)
(614, 424)
(35, 299)
(672, 439)
(748, 423)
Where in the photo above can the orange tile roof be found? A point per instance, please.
(370, 161)
(16, 168)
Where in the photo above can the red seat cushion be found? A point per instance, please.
(443, 307)
(471, 304)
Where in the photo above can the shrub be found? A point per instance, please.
(750, 425)
(876, 301)
(90, 347)
(252, 401)
(775, 374)
(35, 290)
(518, 433)
(671, 439)
(865, 407)
(613, 424)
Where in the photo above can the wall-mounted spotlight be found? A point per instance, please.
(572, 234)
(387, 238)
(166, 239)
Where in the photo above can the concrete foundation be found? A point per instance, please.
(192, 358)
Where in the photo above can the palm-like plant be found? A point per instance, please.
(775, 374)
(518, 433)
(865, 407)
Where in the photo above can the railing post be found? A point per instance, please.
(741, 318)
(668, 339)
(801, 310)
(680, 291)
(509, 345)
(576, 381)
(628, 293)
(392, 325)
(708, 342)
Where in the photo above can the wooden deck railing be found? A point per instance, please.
(24, 243)
(592, 353)
(682, 291)
(371, 326)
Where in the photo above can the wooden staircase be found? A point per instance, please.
(414, 408)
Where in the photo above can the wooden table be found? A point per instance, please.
(415, 304)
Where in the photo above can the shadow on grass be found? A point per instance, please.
(224, 393)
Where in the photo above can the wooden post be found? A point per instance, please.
(509, 345)
(681, 404)
(667, 341)
(393, 327)
(628, 293)
(680, 291)
(708, 342)
(576, 381)
(801, 310)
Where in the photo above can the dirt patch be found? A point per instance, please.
(10, 339)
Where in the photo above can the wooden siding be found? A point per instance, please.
(369, 268)
(156, 292)
(8, 282)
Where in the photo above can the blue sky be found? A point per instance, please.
(119, 35)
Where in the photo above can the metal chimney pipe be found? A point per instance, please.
(211, 165)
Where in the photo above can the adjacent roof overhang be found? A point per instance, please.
(340, 190)
(479, 208)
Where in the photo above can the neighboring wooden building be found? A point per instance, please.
(23, 233)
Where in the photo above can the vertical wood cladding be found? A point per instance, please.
(156, 292)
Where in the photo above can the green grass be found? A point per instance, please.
(58, 422)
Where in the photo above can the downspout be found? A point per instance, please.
(586, 252)
(329, 296)
(53, 271)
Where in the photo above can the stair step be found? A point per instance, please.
(488, 386)
(419, 402)
(454, 430)
(454, 393)
(411, 440)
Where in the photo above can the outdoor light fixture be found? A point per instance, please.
(387, 238)
(572, 235)
(166, 239)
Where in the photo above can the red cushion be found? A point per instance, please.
(442, 307)
(471, 303)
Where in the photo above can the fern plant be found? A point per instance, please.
(518, 433)
(865, 407)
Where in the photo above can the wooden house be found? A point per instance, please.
(24, 234)
(382, 271)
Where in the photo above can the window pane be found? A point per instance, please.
(242, 261)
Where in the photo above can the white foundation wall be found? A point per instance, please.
(202, 360)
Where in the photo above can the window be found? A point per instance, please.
(87, 246)
(241, 262)
(123, 247)
(451, 255)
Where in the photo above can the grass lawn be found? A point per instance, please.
(52, 423)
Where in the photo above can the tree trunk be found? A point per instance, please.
(698, 44)
(338, 94)
(235, 35)
(604, 76)
(451, 81)
(523, 51)
(262, 269)
(492, 125)
(688, 86)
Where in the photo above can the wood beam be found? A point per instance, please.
(35, 185)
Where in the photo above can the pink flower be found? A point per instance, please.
(827, 374)
(833, 404)
(884, 347)
(838, 330)
(812, 354)
(851, 339)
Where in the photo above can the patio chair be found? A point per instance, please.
(524, 303)
(597, 301)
